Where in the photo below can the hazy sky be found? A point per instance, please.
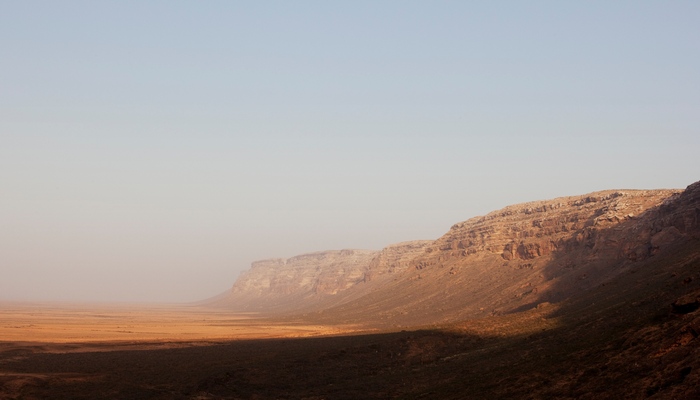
(149, 151)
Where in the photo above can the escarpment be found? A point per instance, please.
(395, 258)
(532, 254)
(280, 285)
(325, 272)
(510, 260)
(522, 233)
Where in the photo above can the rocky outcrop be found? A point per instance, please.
(315, 280)
(524, 232)
(283, 285)
(325, 272)
(395, 258)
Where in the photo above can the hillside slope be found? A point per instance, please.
(510, 260)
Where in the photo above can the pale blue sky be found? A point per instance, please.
(149, 151)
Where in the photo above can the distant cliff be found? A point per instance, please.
(312, 281)
(325, 272)
(509, 260)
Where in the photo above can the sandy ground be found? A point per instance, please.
(614, 351)
(131, 333)
(90, 325)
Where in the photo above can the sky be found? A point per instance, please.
(150, 151)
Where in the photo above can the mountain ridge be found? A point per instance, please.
(508, 260)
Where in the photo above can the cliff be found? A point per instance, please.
(533, 254)
(395, 258)
(325, 272)
(520, 257)
(285, 284)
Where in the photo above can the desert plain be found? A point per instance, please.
(29, 331)
(141, 351)
(87, 323)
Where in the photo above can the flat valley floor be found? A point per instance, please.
(123, 323)
(66, 350)
(74, 351)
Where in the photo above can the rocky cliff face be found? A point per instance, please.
(531, 254)
(509, 260)
(312, 281)
(325, 272)
(395, 258)
(521, 234)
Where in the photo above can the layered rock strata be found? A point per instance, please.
(395, 258)
(533, 254)
(325, 272)
(510, 260)
(316, 280)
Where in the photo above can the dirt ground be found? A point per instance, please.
(76, 335)
(94, 323)
(137, 352)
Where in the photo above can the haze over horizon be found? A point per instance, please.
(151, 151)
